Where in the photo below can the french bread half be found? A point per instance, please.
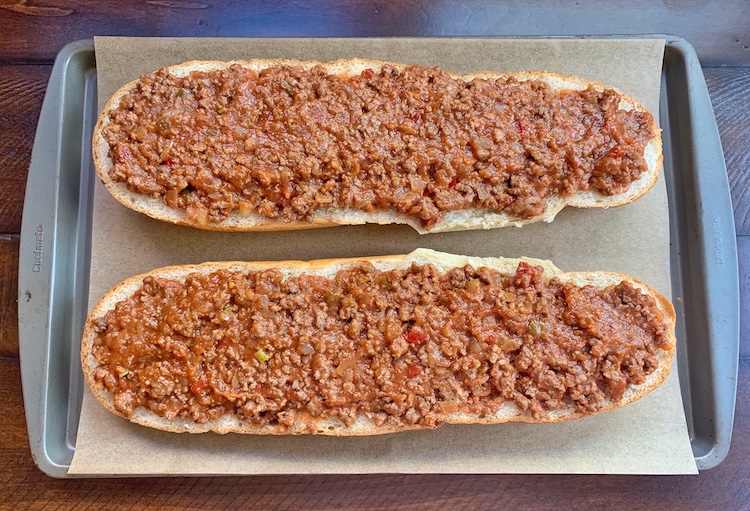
(306, 423)
(454, 220)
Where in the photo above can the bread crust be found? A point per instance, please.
(364, 426)
(326, 217)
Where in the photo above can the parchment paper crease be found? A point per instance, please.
(646, 437)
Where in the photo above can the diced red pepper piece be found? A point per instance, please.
(416, 338)
(413, 371)
(522, 129)
(525, 274)
(199, 386)
(368, 73)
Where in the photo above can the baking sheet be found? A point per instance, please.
(646, 437)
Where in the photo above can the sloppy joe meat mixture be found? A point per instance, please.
(286, 142)
(402, 347)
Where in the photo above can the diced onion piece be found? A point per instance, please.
(245, 208)
(171, 197)
(306, 349)
(197, 213)
(345, 365)
(448, 406)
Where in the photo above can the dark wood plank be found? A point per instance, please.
(8, 295)
(729, 88)
(24, 487)
(21, 94)
(37, 29)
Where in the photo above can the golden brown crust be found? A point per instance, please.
(509, 413)
(452, 221)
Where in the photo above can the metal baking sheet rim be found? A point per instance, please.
(52, 272)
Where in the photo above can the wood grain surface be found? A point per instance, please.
(8, 295)
(21, 93)
(34, 30)
(731, 100)
(37, 29)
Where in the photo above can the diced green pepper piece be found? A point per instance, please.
(262, 356)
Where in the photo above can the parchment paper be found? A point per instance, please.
(646, 437)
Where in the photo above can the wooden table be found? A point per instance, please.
(34, 30)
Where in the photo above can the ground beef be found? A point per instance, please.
(402, 347)
(286, 142)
